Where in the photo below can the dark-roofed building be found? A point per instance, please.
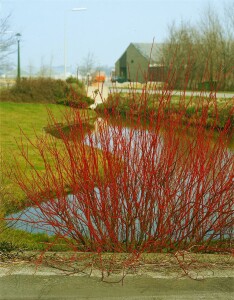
(141, 62)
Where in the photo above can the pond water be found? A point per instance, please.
(35, 219)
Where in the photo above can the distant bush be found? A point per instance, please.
(76, 101)
(76, 84)
(130, 105)
(43, 90)
(72, 79)
(47, 90)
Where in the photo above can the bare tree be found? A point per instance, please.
(7, 42)
(30, 69)
(201, 53)
(216, 48)
(229, 14)
(46, 70)
(88, 64)
(178, 50)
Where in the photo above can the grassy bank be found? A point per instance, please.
(12, 239)
(191, 108)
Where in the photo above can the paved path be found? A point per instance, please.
(32, 287)
(188, 93)
(23, 281)
(98, 92)
(218, 94)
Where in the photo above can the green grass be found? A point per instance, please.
(15, 239)
(31, 118)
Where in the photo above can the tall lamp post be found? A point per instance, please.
(76, 9)
(18, 36)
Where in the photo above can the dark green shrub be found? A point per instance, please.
(115, 103)
(190, 111)
(224, 115)
(72, 79)
(47, 90)
(6, 246)
(76, 84)
(41, 90)
(76, 99)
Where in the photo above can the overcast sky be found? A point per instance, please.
(105, 29)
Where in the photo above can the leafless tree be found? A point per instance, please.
(179, 48)
(88, 64)
(46, 70)
(203, 52)
(229, 13)
(7, 42)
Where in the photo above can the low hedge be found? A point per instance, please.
(47, 90)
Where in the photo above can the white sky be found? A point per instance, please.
(105, 29)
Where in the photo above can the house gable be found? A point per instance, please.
(135, 61)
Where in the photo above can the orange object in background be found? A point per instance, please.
(99, 77)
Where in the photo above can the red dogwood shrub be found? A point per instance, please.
(148, 186)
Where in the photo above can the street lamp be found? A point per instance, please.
(18, 36)
(75, 9)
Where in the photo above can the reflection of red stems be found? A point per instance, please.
(160, 185)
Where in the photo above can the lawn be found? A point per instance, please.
(31, 119)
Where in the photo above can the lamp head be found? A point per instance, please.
(18, 36)
(78, 8)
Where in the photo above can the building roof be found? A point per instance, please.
(149, 50)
